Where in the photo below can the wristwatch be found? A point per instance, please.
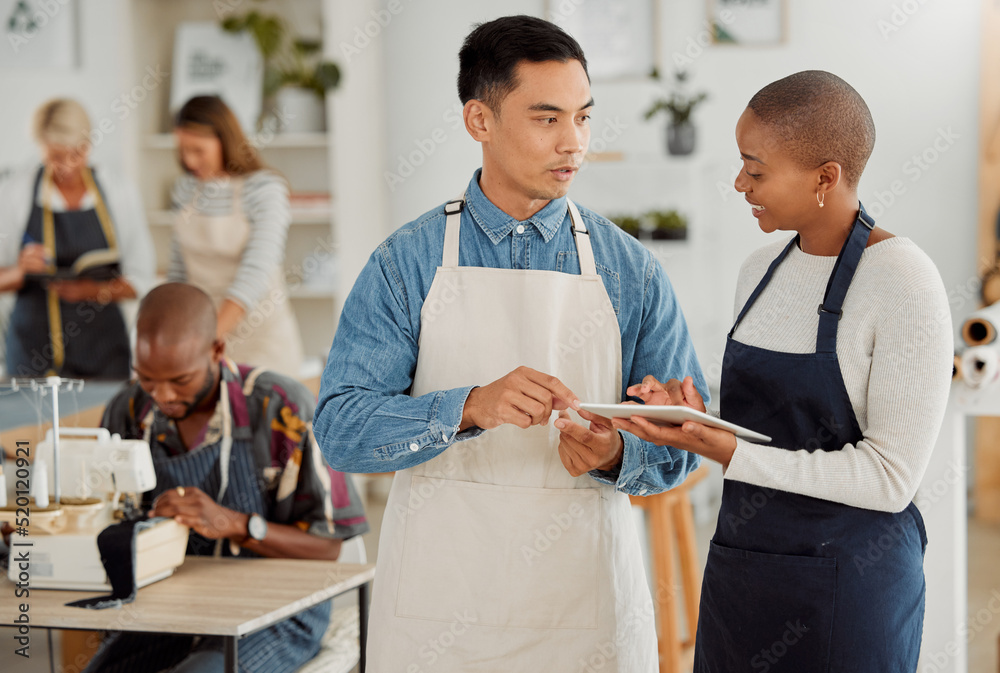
(256, 528)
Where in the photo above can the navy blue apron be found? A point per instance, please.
(92, 340)
(795, 583)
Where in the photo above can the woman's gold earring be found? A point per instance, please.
(819, 198)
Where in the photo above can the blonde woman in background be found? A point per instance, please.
(73, 244)
(232, 218)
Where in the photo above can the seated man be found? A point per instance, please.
(235, 460)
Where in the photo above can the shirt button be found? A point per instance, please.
(520, 229)
(444, 437)
(643, 491)
(414, 446)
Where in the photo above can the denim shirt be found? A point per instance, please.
(367, 422)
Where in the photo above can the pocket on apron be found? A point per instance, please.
(765, 612)
(500, 555)
(918, 519)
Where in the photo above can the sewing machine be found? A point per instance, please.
(100, 476)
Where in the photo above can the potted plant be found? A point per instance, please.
(296, 78)
(678, 107)
(627, 223)
(667, 225)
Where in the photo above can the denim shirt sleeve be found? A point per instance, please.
(663, 349)
(365, 420)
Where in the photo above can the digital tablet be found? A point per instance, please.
(671, 415)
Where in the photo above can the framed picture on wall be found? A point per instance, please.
(208, 61)
(618, 36)
(39, 34)
(747, 22)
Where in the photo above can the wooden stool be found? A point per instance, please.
(670, 522)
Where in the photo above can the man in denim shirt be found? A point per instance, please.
(507, 540)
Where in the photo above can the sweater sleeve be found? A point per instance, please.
(907, 393)
(265, 204)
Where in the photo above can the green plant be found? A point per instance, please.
(678, 104)
(287, 61)
(628, 223)
(666, 220)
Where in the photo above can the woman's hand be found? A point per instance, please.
(672, 393)
(102, 292)
(81, 290)
(712, 443)
(229, 316)
(33, 259)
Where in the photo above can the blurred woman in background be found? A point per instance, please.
(231, 222)
(73, 244)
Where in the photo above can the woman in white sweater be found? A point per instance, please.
(841, 352)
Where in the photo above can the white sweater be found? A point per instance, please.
(895, 347)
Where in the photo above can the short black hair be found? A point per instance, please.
(819, 117)
(491, 52)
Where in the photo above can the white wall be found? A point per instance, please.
(917, 80)
(98, 80)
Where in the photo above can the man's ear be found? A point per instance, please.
(828, 177)
(218, 350)
(479, 120)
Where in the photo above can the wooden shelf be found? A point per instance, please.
(165, 141)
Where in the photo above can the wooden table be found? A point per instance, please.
(207, 596)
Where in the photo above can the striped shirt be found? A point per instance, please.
(265, 205)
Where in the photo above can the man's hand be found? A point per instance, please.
(711, 443)
(193, 508)
(672, 393)
(581, 449)
(524, 397)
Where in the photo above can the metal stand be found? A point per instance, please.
(43, 387)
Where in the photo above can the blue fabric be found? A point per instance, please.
(280, 648)
(795, 583)
(366, 421)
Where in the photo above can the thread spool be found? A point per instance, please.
(981, 327)
(980, 366)
(40, 483)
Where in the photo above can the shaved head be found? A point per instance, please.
(177, 354)
(818, 117)
(175, 313)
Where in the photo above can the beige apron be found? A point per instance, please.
(492, 557)
(212, 247)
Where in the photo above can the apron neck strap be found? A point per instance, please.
(836, 287)
(762, 284)
(453, 210)
(226, 445)
(840, 280)
(588, 267)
